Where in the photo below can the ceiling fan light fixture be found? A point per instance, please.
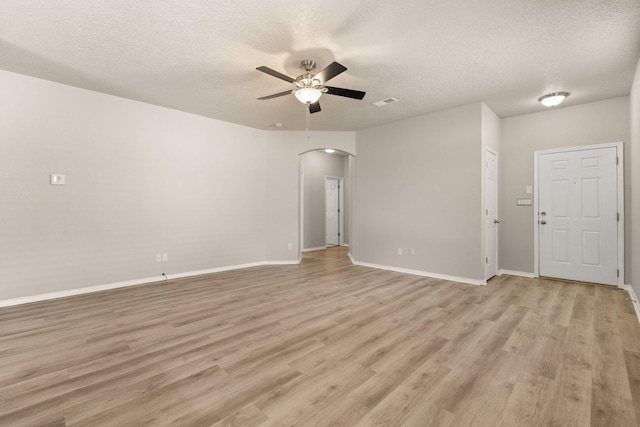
(553, 99)
(308, 95)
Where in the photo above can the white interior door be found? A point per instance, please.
(332, 208)
(491, 214)
(578, 215)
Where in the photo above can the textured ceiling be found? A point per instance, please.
(200, 55)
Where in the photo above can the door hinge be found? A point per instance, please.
(486, 211)
(338, 234)
(618, 214)
(486, 260)
(617, 160)
(618, 272)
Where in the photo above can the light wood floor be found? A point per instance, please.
(324, 343)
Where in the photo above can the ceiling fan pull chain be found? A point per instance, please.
(308, 113)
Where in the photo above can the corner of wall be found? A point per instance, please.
(634, 162)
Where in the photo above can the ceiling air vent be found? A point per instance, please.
(385, 101)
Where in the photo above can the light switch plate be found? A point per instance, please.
(58, 179)
(529, 189)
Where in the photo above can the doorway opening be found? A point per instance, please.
(325, 199)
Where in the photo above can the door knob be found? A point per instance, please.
(495, 221)
(543, 222)
(543, 213)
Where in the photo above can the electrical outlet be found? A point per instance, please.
(165, 257)
(412, 251)
(158, 257)
(58, 179)
(399, 251)
(289, 246)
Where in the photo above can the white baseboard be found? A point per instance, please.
(136, 282)
(213, 270)
(319, 248)
(634, 300)
(353, 261)
(516, 273)
(293, 262)
(422, 273)
(78, 291)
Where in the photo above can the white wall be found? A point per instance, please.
(586, 124)
(282, 180)
(634, 184)
(141, 180)
(418, 184)
(315, 166)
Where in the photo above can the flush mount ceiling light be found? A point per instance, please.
(553, 99)
(329, 150)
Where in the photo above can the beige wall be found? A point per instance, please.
(418, 184)
(141, 180)
(586, 124)
(634, 184)
(315, 166)
(491, 129)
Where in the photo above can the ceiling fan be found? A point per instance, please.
(308, 87)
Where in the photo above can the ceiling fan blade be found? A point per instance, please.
(330, 71)
(355, 94)
(315, 107)
(276, 95)
(274, 73)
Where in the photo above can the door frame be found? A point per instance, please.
(497, 208)
(619, 146)
(340, 180)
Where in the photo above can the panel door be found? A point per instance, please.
(577, 215)
(491, 214)
(332, 216)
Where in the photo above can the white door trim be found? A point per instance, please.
(620, 179)
(497, 206)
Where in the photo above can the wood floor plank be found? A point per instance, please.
(629, 332)
(387, 379)
(248, 416)
(524, 407)
(609, 367)
(405, 397)
(324, 343)
(632, 362)
(569, 403)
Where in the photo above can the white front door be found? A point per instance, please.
(578, 215)
(332, 208)
(491, 214)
